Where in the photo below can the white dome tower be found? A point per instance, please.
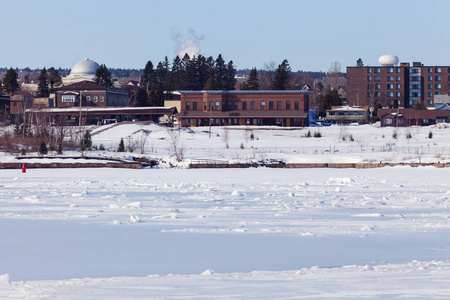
(388, 60)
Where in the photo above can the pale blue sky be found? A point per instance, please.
(310, 34)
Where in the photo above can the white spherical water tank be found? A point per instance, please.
(388, 60)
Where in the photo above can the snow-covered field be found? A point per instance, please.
(233, 233)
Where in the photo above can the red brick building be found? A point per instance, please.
(90, 94)
(393, 86)
(282, 108)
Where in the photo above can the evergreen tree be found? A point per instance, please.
(141, 98)
(283, 76)
(147, 76)
(54, 79)
(103, 76)
(210, 84)
(229, 78)
(43, 90)
(359, 63)
(43, 148)
(326, 102)
(220, 70)
(87, 140)
(10, 81)
(175, 77)
(252, 81)
(121, 146)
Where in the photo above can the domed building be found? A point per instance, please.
(82, 71)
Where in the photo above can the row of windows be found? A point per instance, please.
(389, 94)
(378, 78)
(88, 99)
(378, 70)
(390, 86)
(234, 105)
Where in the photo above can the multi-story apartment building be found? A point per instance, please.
(397, 85)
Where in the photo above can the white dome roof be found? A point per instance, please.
(85, 67)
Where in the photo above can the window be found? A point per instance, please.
(377, 70)
(217, 105)
(387, 121)
(390, 94)
(398, 70)
(88, 98)
(438, 70)
(369, 86)
(378, 86)
(390, 86)
(369, 78)
(390, 70)
(235, 121)
(296, 105)
(377, 94)
(236, 107)
(437, 93)
(194, 105)
(415, 78)
(430, 85)
(414, 86)
(270, 105)
(101, 99)
(430, 78)
(397, 94)
(244, 105)
(188, 105)
(430, 70)
(69, 98)
(288, 105)
(377, 78)
(95, 98)
(252, 105)
(390, 78)
(369, 70)
(414, 94)
(230, 105)
(437, 78)
(414, 70)
(430, 102)
(426, 121)
(437, 85)
(430, 94)
(397, 86)
(397, 78)
(263, 105)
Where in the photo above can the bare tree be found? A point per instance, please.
(176, 149)
(267, 75)
(225, 136)
(334, 78)
(142, 140)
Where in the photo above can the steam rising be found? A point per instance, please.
(189, 46)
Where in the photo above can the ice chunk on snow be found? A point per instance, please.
(116, 222)
(342, 181)
(207, 272)
(134, 218)
(135, 205)
(237, 193)
(4, 280)
(290, 194)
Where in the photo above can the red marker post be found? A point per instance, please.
(24, 169)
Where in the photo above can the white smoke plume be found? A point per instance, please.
(189, 46)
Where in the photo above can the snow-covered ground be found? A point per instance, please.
(233, 233)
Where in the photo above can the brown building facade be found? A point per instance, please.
(87, 93)
(397, 86)
(282, 108)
